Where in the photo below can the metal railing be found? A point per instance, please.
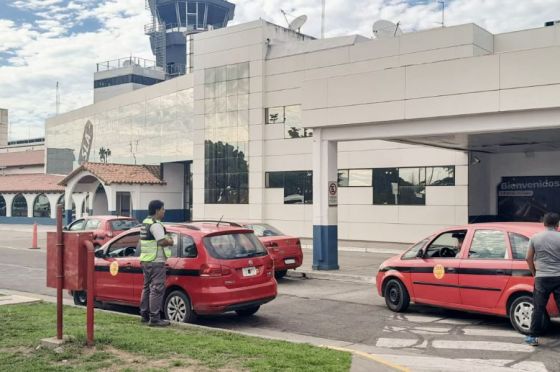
(126, 62)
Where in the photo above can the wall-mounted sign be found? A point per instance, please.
(87, 140)
(528, 198)
(333, 193)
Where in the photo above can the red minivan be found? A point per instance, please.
(213, 269)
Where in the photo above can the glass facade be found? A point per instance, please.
(145, 132)
(2, 206)
(19, 206)
(297, 185)
(290, 117)
(226, 134)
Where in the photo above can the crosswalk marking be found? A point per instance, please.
(453, 344)
(491, 332)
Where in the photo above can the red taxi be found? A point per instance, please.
(212, 269)
(477, 267)
(103, 227)
(285, 250)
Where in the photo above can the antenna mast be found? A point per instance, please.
(57, 99)
(442, 2)
(323, 19)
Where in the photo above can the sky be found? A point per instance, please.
(43, 42)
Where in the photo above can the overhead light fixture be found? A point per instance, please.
(474, 160)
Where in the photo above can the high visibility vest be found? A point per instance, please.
(148, 243)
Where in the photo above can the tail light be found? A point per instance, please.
(271, 245)
(214, 270)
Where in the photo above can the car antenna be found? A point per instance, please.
(218, 224)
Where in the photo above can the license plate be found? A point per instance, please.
(249, 271)
(289, 261)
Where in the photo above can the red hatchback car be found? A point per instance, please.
(285, 250)
(104, 228)
(212, 269)
(477, 267)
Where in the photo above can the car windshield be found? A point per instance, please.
(264, 229)
(232, 246)
(123, 224)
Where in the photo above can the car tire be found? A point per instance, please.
(396, 296)
(280, 274)
(248, 311)
(80, 298)
(520, 313)
(178, 307)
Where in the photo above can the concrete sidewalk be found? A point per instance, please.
(357, 263)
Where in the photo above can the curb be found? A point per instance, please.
(393, 251)
(322, 275)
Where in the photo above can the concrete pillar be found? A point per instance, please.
(30, 199)
(78, 201)
(53, 200)
(325, 217)
(9, 199)
(111, 199)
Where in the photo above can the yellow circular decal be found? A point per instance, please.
(439, 271)
(114, 268)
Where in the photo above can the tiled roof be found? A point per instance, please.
(120, 173)
(32, 183)
(22, 158)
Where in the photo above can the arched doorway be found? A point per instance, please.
(2, 206)
(41, 206)
(19, 206)
(100, 202)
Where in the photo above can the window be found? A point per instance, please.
(298, 187)
(125, 246)
(274, 180)
(519, 246)
(61, 201)
(264, 229)
(385, 186)
(488, 244)
(446, 245)
(413, 251)
(343, 177)
(411, 186)
(233, 246)
(2, 206)
(19, 206)
(119, 225)
(77, 225)
(440, 176)
(359, 177)
(290, 116)
(275, 115)
(189, 247)
(92, 224)
(41, 206)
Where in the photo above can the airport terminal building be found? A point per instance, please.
(420, 131)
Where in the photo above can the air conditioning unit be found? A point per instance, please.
(551, 23)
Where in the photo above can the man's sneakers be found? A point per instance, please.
(532, 341)
(144, 318)
(159, 323)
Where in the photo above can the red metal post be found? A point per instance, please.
(90, 289)
(59, 271)
(34, 240)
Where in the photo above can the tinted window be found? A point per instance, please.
(189, 247)
(385, 186)
(343, 178)
(274, 179)
(413, 251)
(264, 230)
(275, 115)
(77, 225)
(2, 206)
(125, 246)
(19, 206)
(232, 246)
(298, 187)
(92, 224)
(41, 206)
(447, 245)
(488, 244)
(519, 246)
(123, 224)
(440, 176)
(411, 186)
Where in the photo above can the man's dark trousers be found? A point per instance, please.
(544, 286)
(153, 291)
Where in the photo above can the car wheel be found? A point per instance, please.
(521, 312)
(178, 308)
(396, 296)
(280, 274)
(248, 312)
(80, 298)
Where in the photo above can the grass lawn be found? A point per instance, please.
(123, 344)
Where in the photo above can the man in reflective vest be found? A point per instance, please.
(153, 254)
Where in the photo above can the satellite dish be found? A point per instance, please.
(296, 24)
(383, 29)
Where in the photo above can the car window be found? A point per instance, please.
(232, 246)
(122, 224)
(125, 246)
(264, 230)
(92, 224)
(77, 225)
(519, 246)
(446, 245)
(488, 244)
(188, 247)
(175, 245)
(413, 251)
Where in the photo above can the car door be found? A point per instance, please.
(434, 275)
(115, 271)
(138, 279)
(486, 269)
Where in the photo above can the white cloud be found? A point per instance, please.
(45, 51)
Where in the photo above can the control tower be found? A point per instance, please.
(174, 21)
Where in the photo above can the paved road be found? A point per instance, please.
(434, 339)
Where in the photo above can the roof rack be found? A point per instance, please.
(218, 222)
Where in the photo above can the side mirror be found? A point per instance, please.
(99, 253)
